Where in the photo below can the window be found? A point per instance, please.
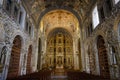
(95, 17)
(8, 5)
(20, 17)
(29, 29)
(116, 1)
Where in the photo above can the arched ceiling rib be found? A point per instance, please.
(59, 30)
(35, 7)
(59, 19)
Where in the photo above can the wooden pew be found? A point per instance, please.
(77, 75)
(41, 75)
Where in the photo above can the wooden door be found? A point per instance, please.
(15, 58)
(103, 58)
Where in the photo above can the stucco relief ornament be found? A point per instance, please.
(8, 29)
(111, 37)
(8, 33)
(2, 32)
(37, 5)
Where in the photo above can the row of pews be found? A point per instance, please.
(41, 75)
(77, 75)
(71, 75)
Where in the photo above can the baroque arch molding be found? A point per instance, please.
(61, 30)
(116, 22)
(61, 8)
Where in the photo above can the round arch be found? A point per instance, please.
(59, 19)
(55, 30)
(102, 57)
(61, 8)
(59, 54)
(72, 12)
(14, 64)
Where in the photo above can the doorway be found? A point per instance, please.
(103, 58)
(15, 58)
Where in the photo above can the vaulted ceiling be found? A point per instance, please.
(59, 19)
(35, 7)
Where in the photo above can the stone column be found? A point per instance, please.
(96, 59)
(75, 54)
(74, 57)
(7, 61)
(2, 66)
(24, 57)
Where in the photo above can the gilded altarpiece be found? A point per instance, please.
(59, 51)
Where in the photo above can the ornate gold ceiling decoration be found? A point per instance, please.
(35, 7)
(59, 31)
(59, 19)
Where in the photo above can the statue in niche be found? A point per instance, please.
(59, 62)
(59, 50)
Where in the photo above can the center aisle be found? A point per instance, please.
(59, 74)
(59, 78)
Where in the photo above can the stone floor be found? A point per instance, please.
(59, 78)
(59, 74)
